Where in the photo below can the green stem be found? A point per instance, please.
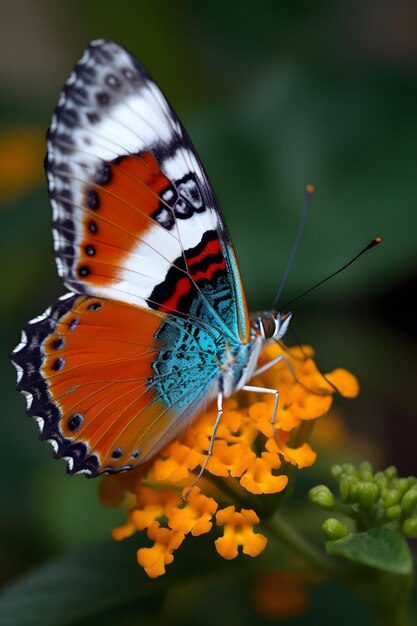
(287, 535)
(303, 433)
(398, 613)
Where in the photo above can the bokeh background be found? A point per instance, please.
(274, 96)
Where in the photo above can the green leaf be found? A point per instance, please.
(381, 548)
(76, 586)
(106, 576)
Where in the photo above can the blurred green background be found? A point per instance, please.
(274, 96)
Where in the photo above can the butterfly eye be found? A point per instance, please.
(268, 326)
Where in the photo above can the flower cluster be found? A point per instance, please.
(249, 458)
(371, 500)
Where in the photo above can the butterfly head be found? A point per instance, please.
(271, 325)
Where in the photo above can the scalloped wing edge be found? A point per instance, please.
(27, 358)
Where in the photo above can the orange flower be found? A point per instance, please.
(247, 461)
(259, 477)
(195, 516)
(238, 531)
(176, 463)
(152, 505)
(153, 560)
(303, 456)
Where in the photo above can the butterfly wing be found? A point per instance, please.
(135, 218)
(106, 383)
(115, 370)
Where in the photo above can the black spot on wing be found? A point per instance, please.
(93, 117)
(75, 422)
(58, 364)
(93, 201)
(73, 323)
(92, 227)
(57, 344)
(29, 357)
(103, 99)
(90, 250)
(84, 271)
(103, 174)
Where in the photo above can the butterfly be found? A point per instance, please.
(155, 324)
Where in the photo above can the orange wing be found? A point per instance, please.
(87, 369)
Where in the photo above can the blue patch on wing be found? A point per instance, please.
(186, 365)
(191, 351)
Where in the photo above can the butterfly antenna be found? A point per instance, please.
(370, 245)
(306, 356)
(303, 219)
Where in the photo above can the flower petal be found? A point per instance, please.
(154, 559)
(195, 516)
(345, 382)
(238, 531)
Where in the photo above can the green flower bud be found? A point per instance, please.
(393, 512)
(349, 468)
(366, 471)
(353, 489)
(402, 484)
(390, 497)
(409, 500)
(367, 494)
(336, 472)
(333, 529)
(344, 487)
(381, 480)
(322, 496)
(391, 472)
(410, 527)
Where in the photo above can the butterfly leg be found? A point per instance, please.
(275, 392)
(262, 369)
(270, 364)
(283, 358)
(210, 449)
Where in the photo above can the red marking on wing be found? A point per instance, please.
(213, 248)
(208, 274)
(182, 287)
